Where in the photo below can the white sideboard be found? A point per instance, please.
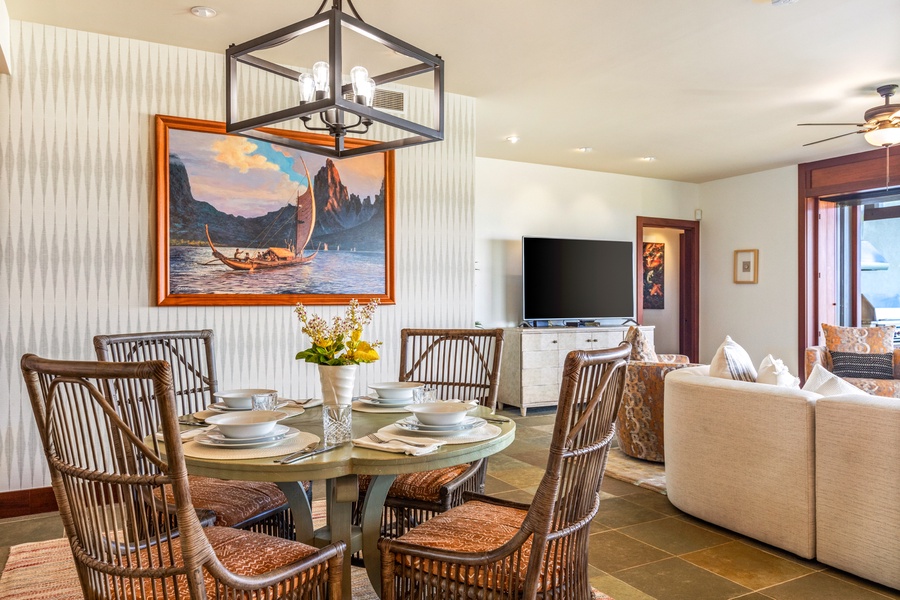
(531, 368)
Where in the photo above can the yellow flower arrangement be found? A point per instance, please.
(339, 343)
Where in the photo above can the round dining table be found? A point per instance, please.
(339, 468)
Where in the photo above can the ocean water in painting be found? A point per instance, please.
(193, 270)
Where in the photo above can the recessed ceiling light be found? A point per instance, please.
(584, 149)
(512, 139)
(204, 12)
(648, 158)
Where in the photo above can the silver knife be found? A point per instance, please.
(292, 458)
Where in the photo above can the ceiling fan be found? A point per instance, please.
(882, 123)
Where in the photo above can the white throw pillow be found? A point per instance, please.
(822, 381)
(774, 372)
(732, 362)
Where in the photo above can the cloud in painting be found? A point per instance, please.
(237, 152)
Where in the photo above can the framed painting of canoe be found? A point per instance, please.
(246, 222)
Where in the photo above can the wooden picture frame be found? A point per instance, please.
(233, 213)
(746, 266)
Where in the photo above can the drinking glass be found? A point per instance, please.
(266, 401)
(337, 423)
(423, 394)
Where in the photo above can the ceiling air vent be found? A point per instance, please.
(386, 100)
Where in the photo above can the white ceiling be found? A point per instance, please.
(711, 88)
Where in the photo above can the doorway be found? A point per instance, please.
(688, 282)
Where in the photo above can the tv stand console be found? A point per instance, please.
(531, 367)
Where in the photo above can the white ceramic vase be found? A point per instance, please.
(338, 383)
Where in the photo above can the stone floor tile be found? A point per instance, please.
(675, 536)
(610, 551)
(746, 565)
(619, 512)
(676, 579)
(820, 586)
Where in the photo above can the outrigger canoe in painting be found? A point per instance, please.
(274, 257)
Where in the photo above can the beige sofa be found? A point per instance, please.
(817, 476)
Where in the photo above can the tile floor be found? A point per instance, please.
(641, 548)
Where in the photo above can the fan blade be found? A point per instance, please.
(834, 137)
(827, 124)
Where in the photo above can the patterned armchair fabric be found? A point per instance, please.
(819, 355)
(640, 430)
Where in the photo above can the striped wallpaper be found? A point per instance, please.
(77, 236)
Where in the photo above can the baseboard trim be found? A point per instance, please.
(21, 503)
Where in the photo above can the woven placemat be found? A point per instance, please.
(195, 450)
(479, 434)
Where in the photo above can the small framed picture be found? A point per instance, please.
(746, 266)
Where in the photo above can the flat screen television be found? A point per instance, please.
(584, 280)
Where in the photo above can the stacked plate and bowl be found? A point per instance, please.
(237, 425)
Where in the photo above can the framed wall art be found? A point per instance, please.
(246, 222)
(654, 275)
(746, 266)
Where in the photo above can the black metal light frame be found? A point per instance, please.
(335, 19)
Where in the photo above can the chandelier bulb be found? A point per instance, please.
(307, 87)
(320, 75)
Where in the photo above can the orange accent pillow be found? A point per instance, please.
(641, 348)
(861, 340)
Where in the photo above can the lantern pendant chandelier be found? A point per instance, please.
(321, 92)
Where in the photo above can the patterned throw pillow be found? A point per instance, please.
(641, 348)
(862, 340)
(863, 366)
(732, 362)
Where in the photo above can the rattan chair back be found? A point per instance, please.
(191, 355)
(108, 480)
(460, 364)
(568, 496)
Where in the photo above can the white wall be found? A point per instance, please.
(665, 320)
(751, 211)
(5, 62)
(516, 199)
(77, 231)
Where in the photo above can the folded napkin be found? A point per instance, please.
(399, 444)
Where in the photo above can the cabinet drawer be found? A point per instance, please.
(540, 394)
(533, 342)
(538, 377)
(539, 359)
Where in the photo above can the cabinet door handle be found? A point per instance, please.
(553, 341)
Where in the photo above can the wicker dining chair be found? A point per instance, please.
(491, 548)
(460, 364)
(107, 480)
(254, 505)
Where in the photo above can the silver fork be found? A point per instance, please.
(379, 440)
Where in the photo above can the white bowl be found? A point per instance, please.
(248, 424)
(240, 398)
(395, 390)
(440, 413)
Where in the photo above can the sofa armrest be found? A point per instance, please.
(858, 485)
(741, 455)
(819, 355)
(679, 359)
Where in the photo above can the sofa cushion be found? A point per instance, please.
(868, 366)
(641, 348)
(774, 372)
(826, 383)
(732, 362)
(864, 340)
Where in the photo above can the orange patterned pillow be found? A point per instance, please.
(861, 340)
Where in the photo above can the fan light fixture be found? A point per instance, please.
(886, 133)
(322, 103)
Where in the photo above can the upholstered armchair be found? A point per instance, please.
(819, 355)
(640, 426)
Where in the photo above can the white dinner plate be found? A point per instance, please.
(220, 441)
(221, 407)
(412, 424)
(374, 400)
(278, 430)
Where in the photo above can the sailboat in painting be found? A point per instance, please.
(275, 257)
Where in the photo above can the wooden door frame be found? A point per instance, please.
(841, 175)
(689, 296)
